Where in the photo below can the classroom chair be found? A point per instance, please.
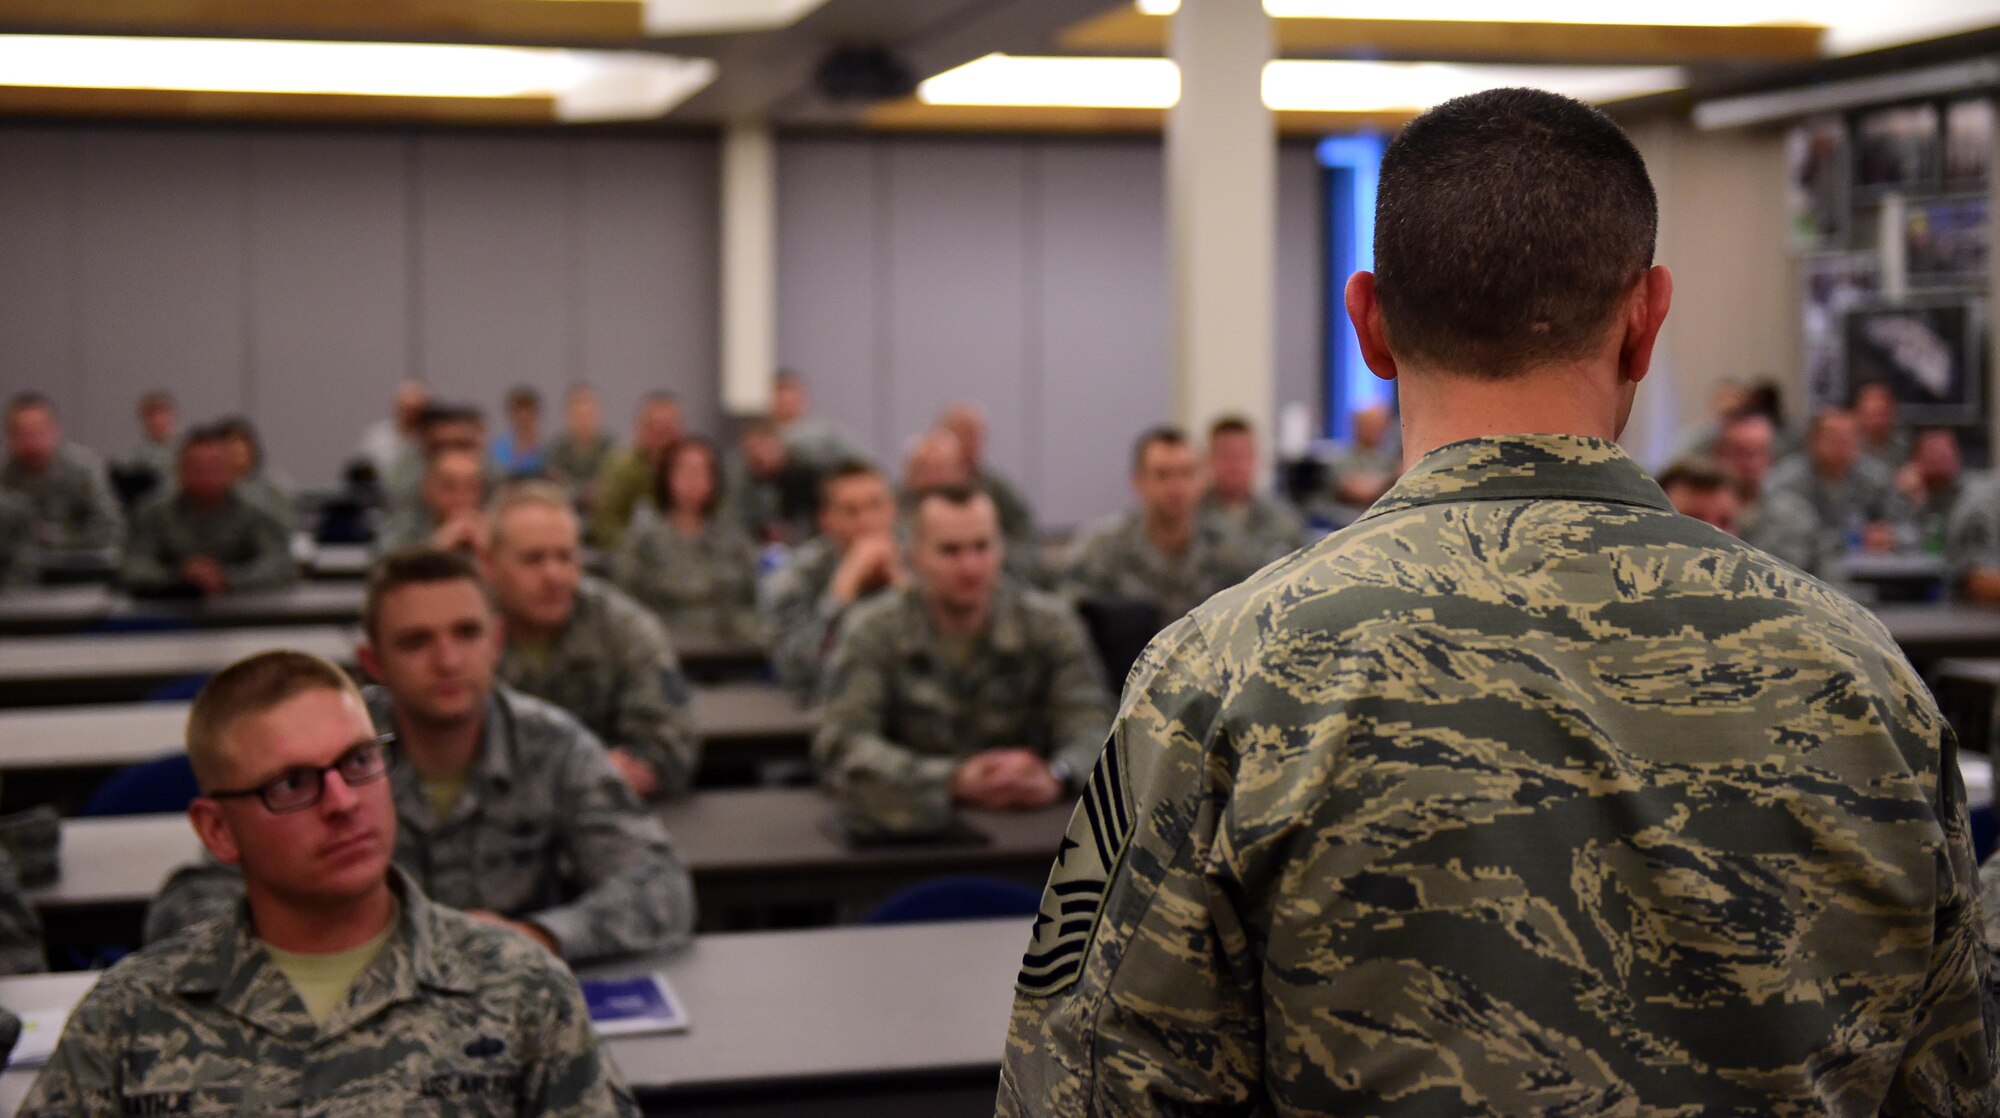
(958, 898)
(165, 784)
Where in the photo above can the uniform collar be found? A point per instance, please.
(492, 767)
(1006, 631)
(226, 962)
(1524, 467)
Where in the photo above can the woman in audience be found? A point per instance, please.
(696, 569)
(261, 486)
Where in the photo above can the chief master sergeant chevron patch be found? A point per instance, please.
(1084, 864)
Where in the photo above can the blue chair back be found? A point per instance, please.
(958, 898)
(147, 788)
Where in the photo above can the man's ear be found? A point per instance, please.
(364, 655)
(213, 830)
(1365, 311)
(1645, 313)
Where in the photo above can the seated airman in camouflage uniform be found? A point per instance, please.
(1778, 520)
(586, 647)
(204, 535)
(335, 987)
(962, 688)
(579, 453)
(1522, 795)
(1156, 554)
(506, 807)
(19, 560)
(1247, 529)
(854, 556)
(689, 562)
(63, 483)
(450, 511)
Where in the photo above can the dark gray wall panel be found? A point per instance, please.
(163, 298)
(330, 294)
(1103, 310)
(497, 259)
(38, 265)
(960, 240)
(832, 291)
(647, 294)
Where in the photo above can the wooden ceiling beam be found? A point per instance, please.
(470, 21)
(184, 105)
(1128, 31)
(911, 115)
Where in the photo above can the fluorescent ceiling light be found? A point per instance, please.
(1851, 25)
(585, 85)
(1302, 86)
(1305, 86)
(718, 17)
(1022, 80)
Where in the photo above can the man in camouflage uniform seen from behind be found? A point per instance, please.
(1523, 794)
(506, 807)
(964, 688)
(335, 987)
(585, 645)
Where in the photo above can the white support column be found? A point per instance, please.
(749, 268)
(1221, 161)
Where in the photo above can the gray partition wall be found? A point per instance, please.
(297, 275)
(1028, 274)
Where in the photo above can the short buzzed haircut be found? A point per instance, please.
(1702, 475)
(846, 471)
(1229, 425)
(956, 496)
(246, 689)
(523, 494)
(1509, 225)
(1155, 436)
(25, 401)
(522, 396)
(414, 566)
(206, 434)
(157, 398)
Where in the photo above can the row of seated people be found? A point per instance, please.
(1859, 483)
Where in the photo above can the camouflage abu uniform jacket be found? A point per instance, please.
(73, 503)
(1523, 795)
(613, 668)
(1972, 535)
(253, 546)
(1116, 562)
(705, 583)
(19, 561)
(545, 831)
(901, 712)
(801, 617)
(1784, 524)
(453, 1018)
(1247, 539)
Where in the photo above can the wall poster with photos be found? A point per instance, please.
(1890, 210)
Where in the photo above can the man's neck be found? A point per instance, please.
(1172, 536)
(524, 631)
(1441, 408)
(1233, 500)
(323, 927)
(959, 624)
(441, 748)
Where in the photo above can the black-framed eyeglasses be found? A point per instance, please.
(297, 789)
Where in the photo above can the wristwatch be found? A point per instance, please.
(1064, 775)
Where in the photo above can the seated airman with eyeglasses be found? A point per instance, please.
(334, 984)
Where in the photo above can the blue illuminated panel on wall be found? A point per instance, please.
(1353, 164)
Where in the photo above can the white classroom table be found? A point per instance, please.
(758, 717)
(30, 659)
(775, 1009)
